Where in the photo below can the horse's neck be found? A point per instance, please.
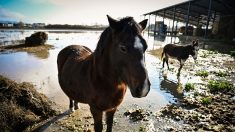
(102, 66)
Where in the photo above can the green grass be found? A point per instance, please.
(202, 73)
(206, 100)
(189, 86)
(232, 53)
(204, 55)
(216, 86)
(196, 93)
(142, 129)
(213, 52)
(221, 74)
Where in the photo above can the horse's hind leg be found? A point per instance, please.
(164, 60)
(76, 105)
(167, 63)
(109, 119)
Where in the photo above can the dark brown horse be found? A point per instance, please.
(180, 52)
(100, 79)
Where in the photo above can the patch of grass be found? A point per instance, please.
(213, 52)
(206, 100)
(221, 74)
(222, 86)
(189, 86)
(202, 73)
(232, 53)
(142, 129)
(196, 93)
(204, 55)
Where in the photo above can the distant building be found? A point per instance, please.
(27, 25)
(38, 25)
(6, 24)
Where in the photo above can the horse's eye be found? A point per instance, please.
(123, 48)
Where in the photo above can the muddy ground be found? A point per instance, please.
(208, 103)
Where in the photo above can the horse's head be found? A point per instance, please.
(195, 48)
(127, 54)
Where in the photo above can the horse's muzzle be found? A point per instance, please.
(142, 90)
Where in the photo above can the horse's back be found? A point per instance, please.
(72, 53)
(171, 49)
(176, 51)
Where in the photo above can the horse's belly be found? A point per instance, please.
(171, 56)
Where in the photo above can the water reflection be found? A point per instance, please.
(40, 51)
(160, 38)
(174, 88)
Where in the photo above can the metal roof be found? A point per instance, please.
(197, 10)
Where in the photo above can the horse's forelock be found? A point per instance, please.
(130, 24)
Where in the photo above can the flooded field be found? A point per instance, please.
(40, 69)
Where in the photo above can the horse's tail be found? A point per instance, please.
(162, 54)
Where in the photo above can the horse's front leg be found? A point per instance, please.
(97, 116)
(181, 66)
(71, 105)
(109, 119)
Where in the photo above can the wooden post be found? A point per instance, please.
(208, 18)
(149, 25)
(154, 34)
(187, 19)
(172, 32)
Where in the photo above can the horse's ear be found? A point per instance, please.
(143, 24)
(195, 43)
(113, 23)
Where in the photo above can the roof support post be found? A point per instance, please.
(187, 19)
(172, 32)
(213, 21)
(176, 26)
(208, 18)
(154, 34)
(164, 12)
(149, 25)
(144, 19)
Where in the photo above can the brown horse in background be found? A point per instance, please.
(100, 79)
(180, 52)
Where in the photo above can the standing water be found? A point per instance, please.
(40, 69)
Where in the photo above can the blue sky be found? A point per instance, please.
(76, 11)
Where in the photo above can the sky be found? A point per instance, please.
(84, 12)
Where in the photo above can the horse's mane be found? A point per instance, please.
(106, 35)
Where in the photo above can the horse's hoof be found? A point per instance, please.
(71, 110)
(77, 107)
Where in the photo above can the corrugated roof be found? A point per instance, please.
(198, 10)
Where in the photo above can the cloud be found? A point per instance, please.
(55, 2)
(8, 15)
